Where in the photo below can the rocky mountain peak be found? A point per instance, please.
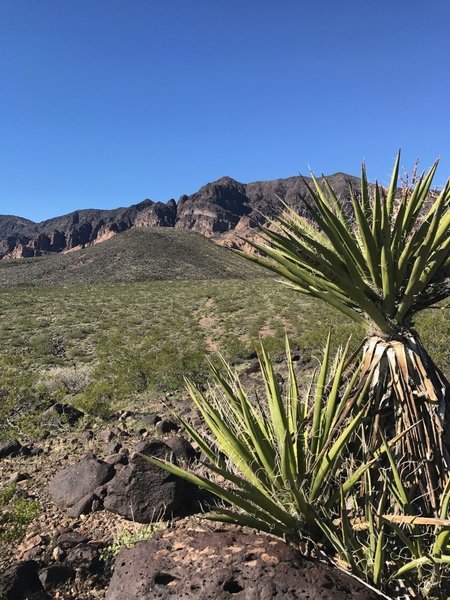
(218, 210)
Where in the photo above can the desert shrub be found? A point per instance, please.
(128, 366)
(21, 396)
(62, 381)
(16, 512)
(97, 399)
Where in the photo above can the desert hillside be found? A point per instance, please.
(142, 254)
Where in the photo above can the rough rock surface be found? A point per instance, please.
(20, 238)
(77, 483)
(217, 565)
(215, 208)
(181, 448)
(22, 581)
(10, 448)
(142, 492)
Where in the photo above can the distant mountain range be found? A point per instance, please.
(224, 210)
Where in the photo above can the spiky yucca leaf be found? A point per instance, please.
(267, 441)
(380, 264)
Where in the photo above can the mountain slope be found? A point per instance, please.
(222, 210)
(22, 238)
(135, 255)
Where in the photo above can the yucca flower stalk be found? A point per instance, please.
(380, 265)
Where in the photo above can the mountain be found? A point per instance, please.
(224, 210)
(140, 254)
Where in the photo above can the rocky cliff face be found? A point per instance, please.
(21, 238)
(228, 211)
(215, 208)
(225, 210)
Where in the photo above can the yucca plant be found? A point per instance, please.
(276, 452)
(283, 461)
(380, 264)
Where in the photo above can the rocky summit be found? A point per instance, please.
(223, 210)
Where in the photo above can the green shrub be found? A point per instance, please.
(97, 399)
(21, 396)
(127, 539)
(16, 513)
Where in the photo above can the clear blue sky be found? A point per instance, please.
(106, 102)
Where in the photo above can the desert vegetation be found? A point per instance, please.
(100, 346)
(356, 462)
(312, 443)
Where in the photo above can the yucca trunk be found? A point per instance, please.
(409, 393)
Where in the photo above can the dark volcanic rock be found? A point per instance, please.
(143, 492)
(181, 448)
(85, 558)
(10, 448)
(55, 575)
(70, 538)
(21, 581)
(75, 486)
(218, 565)
(166, 426)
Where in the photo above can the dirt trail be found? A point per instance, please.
(207, 323)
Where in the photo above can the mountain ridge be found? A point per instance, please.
(223, 210)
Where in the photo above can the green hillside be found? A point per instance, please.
(136, 255)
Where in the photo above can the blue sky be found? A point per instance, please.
(106, 102)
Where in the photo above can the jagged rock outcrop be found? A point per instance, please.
(215, 208)
(225, 210)
(157, 215)
(20, 238)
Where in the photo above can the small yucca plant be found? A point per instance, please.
(281, 460)
(293, 461)
(277, 452)
(380, 265)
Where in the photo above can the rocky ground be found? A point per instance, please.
(96, 495)
(68, 474)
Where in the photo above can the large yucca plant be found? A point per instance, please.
(380, 263)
